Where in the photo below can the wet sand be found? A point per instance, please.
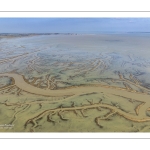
(90, 83)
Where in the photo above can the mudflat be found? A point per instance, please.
(75, 83)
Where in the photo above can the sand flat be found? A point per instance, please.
(78, 82)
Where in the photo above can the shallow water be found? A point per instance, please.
(75, 83)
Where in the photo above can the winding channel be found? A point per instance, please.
(142, 97)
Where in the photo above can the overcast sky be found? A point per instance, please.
(73, 25)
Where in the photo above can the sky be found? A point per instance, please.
(74, 25)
